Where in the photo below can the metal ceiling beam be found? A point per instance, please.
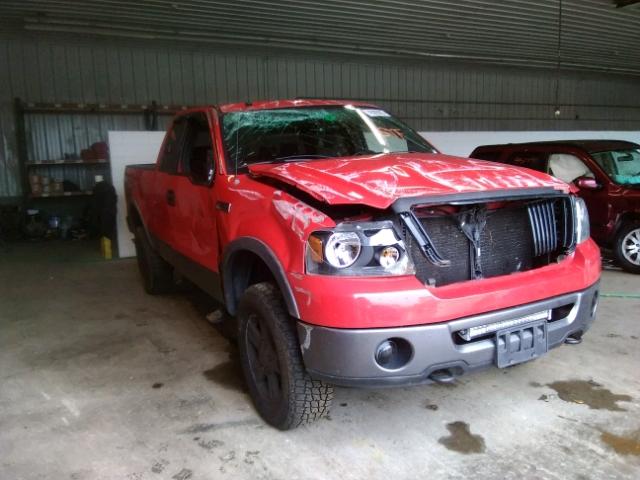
(529, 35)
(506, 46)
(595, 35)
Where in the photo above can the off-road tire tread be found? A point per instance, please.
(309, 400)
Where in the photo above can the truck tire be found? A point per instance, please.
(282, 391)
(627, 247)
(157, 274)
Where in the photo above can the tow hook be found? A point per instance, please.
(442, 376)
(574, 339)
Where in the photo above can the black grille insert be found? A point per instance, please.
(518, 236)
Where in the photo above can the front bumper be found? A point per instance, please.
(389, 302)
(347, 356)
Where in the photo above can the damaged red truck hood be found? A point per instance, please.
(379, 180)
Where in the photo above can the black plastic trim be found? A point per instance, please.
(424, 240)
(406, 203)
(259, 248)
(204, 278)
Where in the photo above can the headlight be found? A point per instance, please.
(342, 249)
(363, 248)
(581, 217)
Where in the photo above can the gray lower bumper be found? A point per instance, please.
(347, 357)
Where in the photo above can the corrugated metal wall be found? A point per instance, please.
(429, 96)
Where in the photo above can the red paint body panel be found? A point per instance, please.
(380, 180)
(198, 230)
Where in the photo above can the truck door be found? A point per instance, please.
(162, 198)
(195, 234)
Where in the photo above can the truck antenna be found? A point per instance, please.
(236, 152)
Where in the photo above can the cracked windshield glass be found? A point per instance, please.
(310, 133)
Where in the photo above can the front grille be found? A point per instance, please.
(542, 218)
(452, 245)
(506, 247)
(517, 237)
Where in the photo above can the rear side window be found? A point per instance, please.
(534, 160)
(173, 147)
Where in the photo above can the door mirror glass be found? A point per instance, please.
(586, 183)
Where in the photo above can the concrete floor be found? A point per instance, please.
(101, 381)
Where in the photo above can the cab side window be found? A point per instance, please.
(533, 160)
(197, 160)
(567, 167)
(173, 147)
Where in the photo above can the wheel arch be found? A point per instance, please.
(247, 261)
(624, 219)
(134, 218)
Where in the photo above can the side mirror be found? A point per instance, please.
(587, 183)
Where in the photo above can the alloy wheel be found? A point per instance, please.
(263, 360)
(631, 246)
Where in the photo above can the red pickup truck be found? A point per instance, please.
(352, 253)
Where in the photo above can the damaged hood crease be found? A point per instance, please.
(380, 180)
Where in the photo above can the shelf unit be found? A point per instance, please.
(45, 131)
(85, 193)
(45, 163)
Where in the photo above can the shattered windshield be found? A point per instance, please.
(298, 134)
(622, 166)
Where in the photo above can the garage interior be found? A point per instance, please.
(101, 380)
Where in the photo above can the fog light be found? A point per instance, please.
(388, 257)
(393, 353)
(385, 352)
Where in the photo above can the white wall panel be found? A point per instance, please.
(129, 148)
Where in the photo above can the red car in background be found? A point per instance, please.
(606, 174)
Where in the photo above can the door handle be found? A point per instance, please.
(171, 197)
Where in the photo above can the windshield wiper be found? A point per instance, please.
(295, 158)
(248, 164)
(291, 158)
(365, 152)
(300, 158)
